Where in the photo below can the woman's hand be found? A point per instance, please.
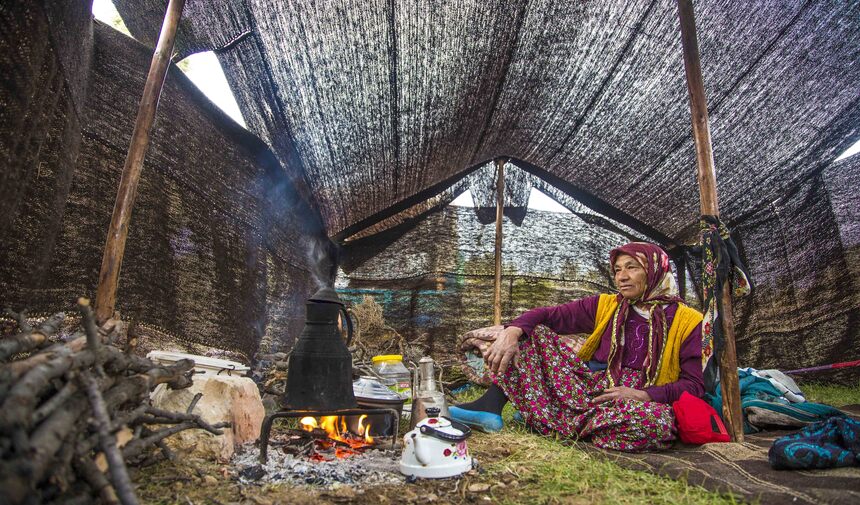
(621, 392)
(503, 350)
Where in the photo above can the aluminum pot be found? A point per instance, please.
(370, 393)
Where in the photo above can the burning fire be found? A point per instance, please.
(335, 427)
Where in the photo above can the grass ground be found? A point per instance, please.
(837, 396)
(516, 467)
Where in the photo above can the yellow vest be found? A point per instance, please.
(685, 321)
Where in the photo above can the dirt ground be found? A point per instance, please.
(196, 481)
(515, 466)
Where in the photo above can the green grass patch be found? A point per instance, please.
(523, 467)
(831, 394)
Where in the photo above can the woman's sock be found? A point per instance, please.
(492, 401)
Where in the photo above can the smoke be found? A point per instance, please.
(322, 261)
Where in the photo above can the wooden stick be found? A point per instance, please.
(708, 194)
(118, 231)
(116, 464)
(29, 338)
(500, 208)
(20, 317)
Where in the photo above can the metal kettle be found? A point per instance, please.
(319, 376)
(426, 394)
(436, 448)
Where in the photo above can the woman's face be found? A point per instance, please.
(630, 278)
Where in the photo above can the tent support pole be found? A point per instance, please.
(708, 193)
(681, 266)
(118, 231)
(500, 208)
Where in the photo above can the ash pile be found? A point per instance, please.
(371, 467)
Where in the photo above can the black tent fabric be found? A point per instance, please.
(382, 99)
(359, 113)
(215, 255)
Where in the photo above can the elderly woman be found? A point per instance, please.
(642, 352)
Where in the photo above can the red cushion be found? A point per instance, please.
(698, 422)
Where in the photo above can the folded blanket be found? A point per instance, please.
(764, 406)
(825, 444)
(780, 381)
(472, 345)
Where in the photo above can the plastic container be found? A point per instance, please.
(395, 376)
(202, 364)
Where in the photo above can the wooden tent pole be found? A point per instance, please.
(500, 207)
(708, 193)
(118, 231)
(681, 266)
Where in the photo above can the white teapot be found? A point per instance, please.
(436, 448)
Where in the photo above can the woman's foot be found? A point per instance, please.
(485, 413)
(484, 421)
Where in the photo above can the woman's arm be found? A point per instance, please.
(572, 317)
(690, 378)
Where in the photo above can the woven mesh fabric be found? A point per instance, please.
(359, 112)
(383, 99)
(436, 279)
(221, 250)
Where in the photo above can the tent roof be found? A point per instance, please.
(370, 103)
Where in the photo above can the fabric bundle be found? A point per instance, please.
(721, 263)
(825, 444)
(764, 406)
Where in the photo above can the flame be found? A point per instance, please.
(336, 429)
(364, 430)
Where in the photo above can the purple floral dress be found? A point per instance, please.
(553, 390)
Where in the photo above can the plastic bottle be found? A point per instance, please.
(396, 376)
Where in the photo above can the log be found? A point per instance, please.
(118, 230)
(20, 318)
(47, 442)
(87, 469)
(709, 207)
(29, 338)
(116, 463)
(12, 371)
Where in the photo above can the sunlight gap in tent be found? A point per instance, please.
(203, 69)
(537, 201)
(851, 151)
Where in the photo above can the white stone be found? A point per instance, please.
(225, 398)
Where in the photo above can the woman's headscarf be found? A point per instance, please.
(660, 289)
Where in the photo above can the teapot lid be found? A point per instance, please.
(440, 423)
(326, 295)
(442, 428)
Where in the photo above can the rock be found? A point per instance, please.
(255, 472)
(208, 479)
(479, 487)
(259, 500)
(225, 398)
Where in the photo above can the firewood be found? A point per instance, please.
(54, 402)
(97, 481)
(30, 339)
(116, 463)
(20, 318)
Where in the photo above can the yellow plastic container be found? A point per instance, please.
(395, 375)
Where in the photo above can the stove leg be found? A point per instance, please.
(265, 431)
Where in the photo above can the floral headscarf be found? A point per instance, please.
(660, 289)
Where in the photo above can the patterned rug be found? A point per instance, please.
(742, 469)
